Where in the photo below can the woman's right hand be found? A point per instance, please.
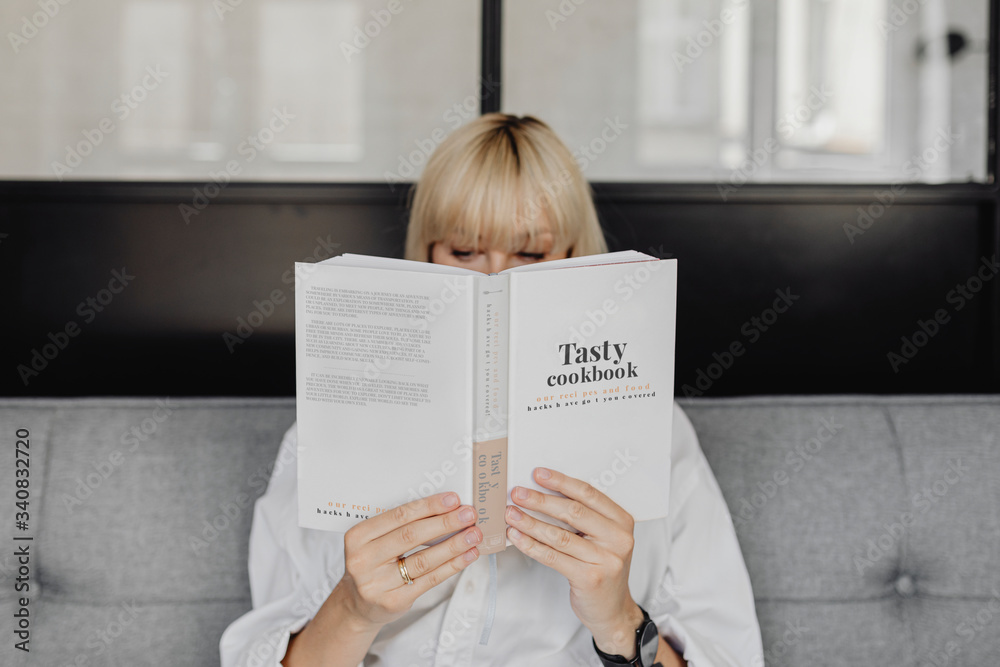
(372, 588)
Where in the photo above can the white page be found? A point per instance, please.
(392, 263)
(380, 455)
(620, 446)
(350, 259)
(586, 260)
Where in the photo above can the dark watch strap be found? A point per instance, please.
(647, 641)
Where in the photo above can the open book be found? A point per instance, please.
(416, 378)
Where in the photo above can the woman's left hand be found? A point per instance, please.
(595, 559)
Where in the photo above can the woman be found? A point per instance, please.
(499, 192)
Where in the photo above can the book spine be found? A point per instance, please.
(489, 464)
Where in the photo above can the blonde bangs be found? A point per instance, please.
(500, 184)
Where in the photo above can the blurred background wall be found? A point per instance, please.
(165, 162)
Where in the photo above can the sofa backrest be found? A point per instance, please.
(870, 526)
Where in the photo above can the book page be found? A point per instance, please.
(349, 259)
(591, 379)
(587, 260)
(383, 390)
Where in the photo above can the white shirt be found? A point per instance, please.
(687, 572)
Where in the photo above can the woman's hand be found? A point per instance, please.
(372, 591)
(595, 559)
(372, 588)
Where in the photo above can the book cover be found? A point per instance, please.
(415, 378)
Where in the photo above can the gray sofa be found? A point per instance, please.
(870, 526)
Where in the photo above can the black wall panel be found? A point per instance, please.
(175, 327)
(848, 305)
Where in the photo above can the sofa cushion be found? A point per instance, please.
(882, 539)
(869, 525)
(142, 512)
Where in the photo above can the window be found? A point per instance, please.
(726, 91)
(769, 91)
(278, 90)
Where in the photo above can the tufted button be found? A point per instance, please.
(905, 586)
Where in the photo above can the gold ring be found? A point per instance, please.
(401, 562)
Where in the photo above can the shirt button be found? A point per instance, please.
(470, 587)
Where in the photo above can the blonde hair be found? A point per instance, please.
(495, 182)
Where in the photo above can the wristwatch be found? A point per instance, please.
(647, 641)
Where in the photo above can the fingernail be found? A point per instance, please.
(470, 555)
(514, 514)
(543, 473)
(514, 533)
(472, 537)
(521, 493)
(450, 500)
(466, 514)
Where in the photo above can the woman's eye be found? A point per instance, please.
(469, 254)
